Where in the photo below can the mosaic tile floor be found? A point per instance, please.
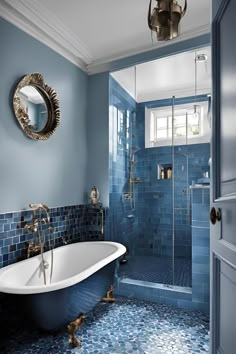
(158, 270)
(127, 326)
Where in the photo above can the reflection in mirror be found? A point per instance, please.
(34, 105)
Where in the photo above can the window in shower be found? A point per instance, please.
(188, 123)
(120, 128)
(127, 130)
(113, 136)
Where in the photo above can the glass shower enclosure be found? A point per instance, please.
(157, 150)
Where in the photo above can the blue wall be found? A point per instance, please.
(154, 199)
(200, 198)
(97, 136)
(154, 196)
(53, 171)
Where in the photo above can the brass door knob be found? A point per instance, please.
(215, 215)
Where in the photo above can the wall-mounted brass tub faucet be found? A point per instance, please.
(35, 222)
(34, 227)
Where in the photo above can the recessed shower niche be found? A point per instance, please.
(164, 171)
(165, 112)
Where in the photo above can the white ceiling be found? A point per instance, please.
(91, 33)
(167, 77)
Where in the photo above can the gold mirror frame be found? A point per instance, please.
(50, 97)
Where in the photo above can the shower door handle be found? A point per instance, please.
(215, 215)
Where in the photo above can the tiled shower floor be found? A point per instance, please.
(127, 326)
(158, 270)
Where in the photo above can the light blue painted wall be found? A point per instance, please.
(76, 157)
(53, 171)
(97, 136)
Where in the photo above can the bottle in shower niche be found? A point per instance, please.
(169, 173)
(162, 174)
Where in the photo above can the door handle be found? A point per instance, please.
(215, 215)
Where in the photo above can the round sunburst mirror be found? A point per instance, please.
(36, 107)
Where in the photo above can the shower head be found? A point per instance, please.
(201, 58)
(135, 149)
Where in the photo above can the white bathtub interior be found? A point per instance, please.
(71, 264)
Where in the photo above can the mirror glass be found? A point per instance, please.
(35, 106)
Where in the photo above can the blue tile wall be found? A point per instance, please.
(154, 198)
(200, 199)
(70, 224)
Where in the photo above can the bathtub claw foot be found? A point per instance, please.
(72, 327)
(74, 342)
(109, 296)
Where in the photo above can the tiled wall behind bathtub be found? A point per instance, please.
(70, 224)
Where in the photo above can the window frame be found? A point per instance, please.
(165, 112)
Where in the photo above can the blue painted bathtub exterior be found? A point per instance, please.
(54, 310)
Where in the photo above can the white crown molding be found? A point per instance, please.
(35, 20)
(104, 64)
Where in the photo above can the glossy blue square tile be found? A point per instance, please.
(72, 220)
(7, 227)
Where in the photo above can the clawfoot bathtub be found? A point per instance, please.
(81, 275)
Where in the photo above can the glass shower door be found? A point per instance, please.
(182, 254)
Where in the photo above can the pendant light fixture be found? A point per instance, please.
(164, 19)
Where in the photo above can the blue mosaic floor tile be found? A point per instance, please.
(127, 326)
(158, 270)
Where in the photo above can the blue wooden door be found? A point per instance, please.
(223, 206)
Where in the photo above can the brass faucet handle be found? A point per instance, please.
(31, 227)
(65, 240)
(33, 248)
(30, 245)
